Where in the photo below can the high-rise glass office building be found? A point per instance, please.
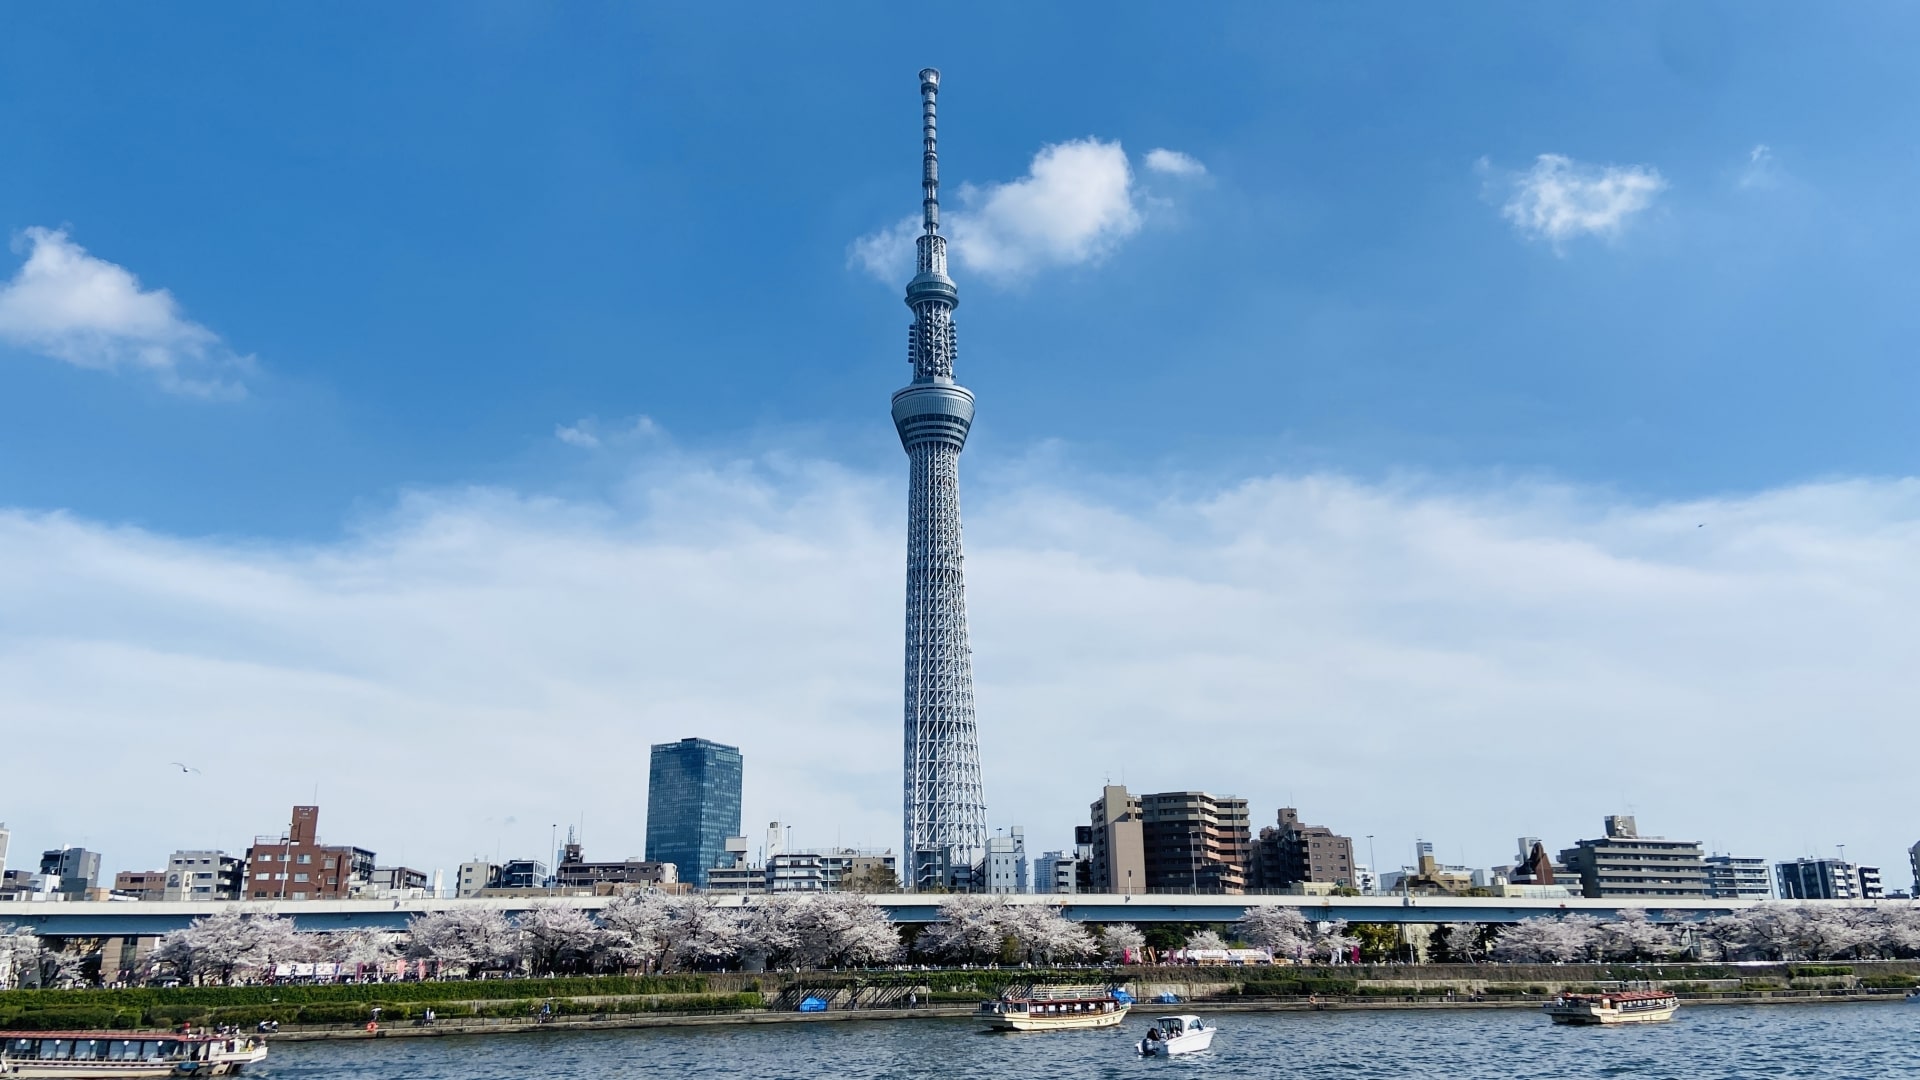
(693, 805)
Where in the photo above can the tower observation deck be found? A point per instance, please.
(945, 808)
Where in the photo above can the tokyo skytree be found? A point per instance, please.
(946, 811)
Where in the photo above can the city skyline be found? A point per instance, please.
(1369, 434)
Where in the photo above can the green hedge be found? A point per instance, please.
(452, 990)
(1818, 971)
(1889, 982)
(1297, 987)
(72, 1018)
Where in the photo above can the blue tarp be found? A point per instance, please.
(813, 1004)
(1123, 997)
(1167, 998)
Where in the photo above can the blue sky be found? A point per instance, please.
(432, 266)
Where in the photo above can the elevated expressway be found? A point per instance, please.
(143, 918)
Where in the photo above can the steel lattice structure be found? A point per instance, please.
(946, 810)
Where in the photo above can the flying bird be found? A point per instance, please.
(183, 767)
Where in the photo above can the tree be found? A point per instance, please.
(1044, 935)
(470, 939)
(1632, 937)
(360, 948)
(1281, 931)
(1334, 941)
(972, 927)
(558, 939)
(21, 958)
(1379, 942)
(703, 934)
(635, 931)
(1544, 939)
(1462, 943)
(845, 929)
(770, 929)
(1119, 939)
(1207, 939)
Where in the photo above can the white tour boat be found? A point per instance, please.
(88, 1054)
(1618, 1007)
(1172, 1035)
(1050, 1008)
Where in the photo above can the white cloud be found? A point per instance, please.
(1076, 204)
(579, 433)
(1174, 163)
(887, 254)
(1395, 659)
(1560, 199)
(589, 433)
(70, 305)
(1761, 171)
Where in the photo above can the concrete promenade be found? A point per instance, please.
(142, 918)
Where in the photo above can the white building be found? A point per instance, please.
(1054, 872)
(205, 875)
(1006, 862)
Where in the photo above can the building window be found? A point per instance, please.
(299, 896)
(299, 877)
(304, 859)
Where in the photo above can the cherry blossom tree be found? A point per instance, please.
(1119, 939)
(770, 929)
(1281, 931)
(1206, 939)
(558, 939)
(22, 958)
(845, 929)
(1545, 939)
(470, 939)
(1465, 942)
(635, 931)
(701, 933)
(360, 948)
(1332, 939)
(1046, 936)
(229, 941)
(972, 927)
(1632, 937)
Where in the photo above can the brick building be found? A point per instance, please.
(1290, 853)
(141, 884)
(298, 866)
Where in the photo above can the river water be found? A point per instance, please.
(1855, 1042)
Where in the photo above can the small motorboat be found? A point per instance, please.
(1172, 1035)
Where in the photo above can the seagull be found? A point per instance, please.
(182, 767)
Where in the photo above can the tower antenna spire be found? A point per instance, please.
(930, 156)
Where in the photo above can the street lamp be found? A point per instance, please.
(1373, 865)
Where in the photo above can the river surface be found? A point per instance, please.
(1855, 1042)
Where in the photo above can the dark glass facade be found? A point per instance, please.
(693, 805)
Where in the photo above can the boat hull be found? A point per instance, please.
(46, 1056)
(90, 1070)
(1059, 1022)
(1179, 1044)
